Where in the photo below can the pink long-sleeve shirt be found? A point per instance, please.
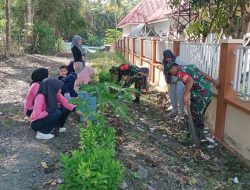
(39, 110)
(28, 105)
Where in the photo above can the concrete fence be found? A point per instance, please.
(228, 116)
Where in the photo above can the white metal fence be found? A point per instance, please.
(160, 47)
(147, 48)
(137, 46)
(204, 56)
(241, 73)
(126, 44)
(131, 44)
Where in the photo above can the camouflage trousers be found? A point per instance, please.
(198, 108)
(138, 81)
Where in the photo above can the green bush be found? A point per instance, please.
(93, 166)
(111, 96)
(44, 41)
(95, 170)
(111, 35)
(105, 76)
(93, 40)
(97, 136)
(59, 45)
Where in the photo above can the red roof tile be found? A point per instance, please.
(146, 11)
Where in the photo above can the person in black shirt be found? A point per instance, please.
(78, 54)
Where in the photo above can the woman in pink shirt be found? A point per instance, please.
(51, 109)
(37, 77)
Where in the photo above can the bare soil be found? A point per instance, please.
(154, 150)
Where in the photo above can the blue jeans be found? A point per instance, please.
(176, 90)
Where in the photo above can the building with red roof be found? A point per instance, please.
(156, 13)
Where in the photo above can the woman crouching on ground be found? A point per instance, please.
(37, 77)
(47, 114)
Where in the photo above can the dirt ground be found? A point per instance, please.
(21, 153)
(154, 149)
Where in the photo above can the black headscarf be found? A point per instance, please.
(39, 74)
(49, 88)
(168, 53)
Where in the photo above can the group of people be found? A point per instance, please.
(188, 86)
(47, 102)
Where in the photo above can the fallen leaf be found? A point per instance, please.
(206, 157)
(48, 182)
(44, 165)
(192, 181)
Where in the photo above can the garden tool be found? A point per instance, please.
(192, 128)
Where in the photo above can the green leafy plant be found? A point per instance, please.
(93, 166)
(91, 170)
(111, 35)
(97, 136)
(111, 96)
(105, 76)
(45, 39)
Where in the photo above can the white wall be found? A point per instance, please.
(237, 131)
(126, 30)
(210, 115)
(237, 127)
(161, 27)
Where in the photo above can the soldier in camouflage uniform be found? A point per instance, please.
(133, 75)
(198, 91)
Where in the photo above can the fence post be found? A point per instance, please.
(133, 59)
(124, 51)
(128, 48)
(152, 67)
(226, 75)
(119, 46)
(116, 46)
(141, 51)
(176, 47)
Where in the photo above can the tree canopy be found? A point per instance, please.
(228, 17)
(40, 22)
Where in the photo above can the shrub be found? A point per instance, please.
(97, 136)
(95, 170)
(105, 76)
(45, 40)
(111, 35)
(59, 46)
(93, 166)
